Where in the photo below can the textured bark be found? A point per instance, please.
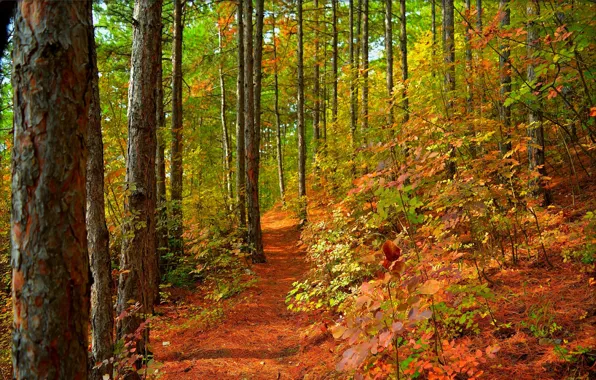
(389, 58)
(353, 77)
(251, 134)
(300, 112)
(449, 59)
(240, 146)
(505, 79)
(50, 264)
(468, 77)
(225, 136)
(364, 65)
(335, 66)
(449, 49)
(535, 128)
(317, 85)
(176, 175)
(102, 315)
(280, 166)
(403, 43)
(160, 164)
(136, 282)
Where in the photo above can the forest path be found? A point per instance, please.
(257, 337)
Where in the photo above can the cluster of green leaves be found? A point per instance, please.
(336, 271)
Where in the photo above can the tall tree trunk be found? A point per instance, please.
(225, 136)
(433, 25)
(449, 50)
(240, 120)
(364, 66)
(252, 141)
(280, 166)
(50, 265)
(160, 163)
(389, 58)
(403, 42)
(136, 284)
(300, 111)
(176, 175)
(536, 148)
(505, 78)
(98, 238)
(353, 77)
(468, 59)
(449, 59)
(334, 69)
(317, 86)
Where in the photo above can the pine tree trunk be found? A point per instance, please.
(98, 238)
(449, 50)
(252, 142)
(160, 163)
(353, 78)
(403, 42)
(334, 69)
(280, 166)
(50, 265)
(240, 138)
(536, 147)
(449, 59)
(225, 136)
(317, 85)
(136, 284)
(389, 59)
(300, 111)
(505, 79)
(176, 175)
(364, 66)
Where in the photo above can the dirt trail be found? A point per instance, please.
(257, 338)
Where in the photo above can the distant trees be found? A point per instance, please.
(50, 265)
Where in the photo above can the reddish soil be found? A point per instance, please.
(254, 336)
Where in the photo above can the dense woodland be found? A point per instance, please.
(388, 189)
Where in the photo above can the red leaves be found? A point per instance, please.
(392, 253)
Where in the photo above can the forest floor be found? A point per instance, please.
(252, 335)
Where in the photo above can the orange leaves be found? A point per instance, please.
(392, 254)
(593, 112)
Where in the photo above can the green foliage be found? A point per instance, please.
(541, 321)
(336, 270)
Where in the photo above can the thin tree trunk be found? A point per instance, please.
(334, 69)
(505, 78)
(252, 142)
(136, 284)
(536, 148)
(240, 120)
(403, 42)
(98, 238)
(364, 66)
(225, 136)
(389, 59)
(449, 59)
(50, 265)
(468, 60)
(300, 111)
(176, 175)
(280, 166)
(160, 163)
(317, 86)
(353, 77)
